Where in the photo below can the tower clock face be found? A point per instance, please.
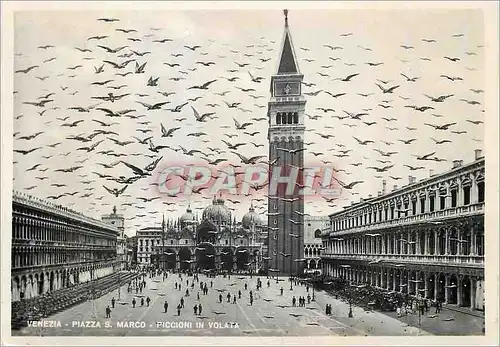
(286, 89)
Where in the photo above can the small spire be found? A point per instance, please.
(114, 209)
(285, 12)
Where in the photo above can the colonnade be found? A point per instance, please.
(31, 284)
(449, 287)
(430, 241)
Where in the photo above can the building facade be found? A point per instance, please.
(426, 238)
(121, 246)
(286, 109)
(313, 229)
(217, 241)
(147, 239)
(54, 247)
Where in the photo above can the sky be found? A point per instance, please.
(227, 37)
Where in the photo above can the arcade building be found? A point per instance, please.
(423, 239)
(54, 247)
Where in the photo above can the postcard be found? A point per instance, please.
(249, 173)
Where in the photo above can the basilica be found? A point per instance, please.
(214, 241)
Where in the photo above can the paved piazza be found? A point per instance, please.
(264, 318)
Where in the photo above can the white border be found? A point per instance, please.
(491, 152)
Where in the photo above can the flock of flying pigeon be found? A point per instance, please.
(93, 131)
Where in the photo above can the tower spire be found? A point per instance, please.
(288, 59)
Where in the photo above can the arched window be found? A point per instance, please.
(278, 118)
(283, 118)
(317, 234)
(290, 117)
(295, 118)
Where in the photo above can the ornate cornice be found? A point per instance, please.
(32, 202)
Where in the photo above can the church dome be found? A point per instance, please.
(217, 213)
(187, 217)
(251, 217)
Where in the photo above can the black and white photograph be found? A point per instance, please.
(261, 172)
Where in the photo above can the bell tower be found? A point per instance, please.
(286, 109)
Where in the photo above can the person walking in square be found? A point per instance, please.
(200, 308)
(148, 300)
(108, 312)
(182, 302)
(113, 302)
(294, 301)
(195, 309)
(165, 306)
(421, 307)
(142, 301)
(133, 303)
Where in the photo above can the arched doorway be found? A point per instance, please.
(420, 287)
(452, 290)
(430, 288)
(40, 283)
(466, 290)
(226, 257)
(184, 258)
(390, 280)
(22, 292)
(51, 281)
(170, 258)
(242, 258)
(441, 287)
(205, 256)
(397, 286)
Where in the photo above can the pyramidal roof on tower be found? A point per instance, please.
(288, 63)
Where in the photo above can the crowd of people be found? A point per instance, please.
(378, 299)
(55, 301)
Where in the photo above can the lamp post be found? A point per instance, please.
(119, 284)
(316, 273)
(92, 295)
(350, 301)
(347, 266)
